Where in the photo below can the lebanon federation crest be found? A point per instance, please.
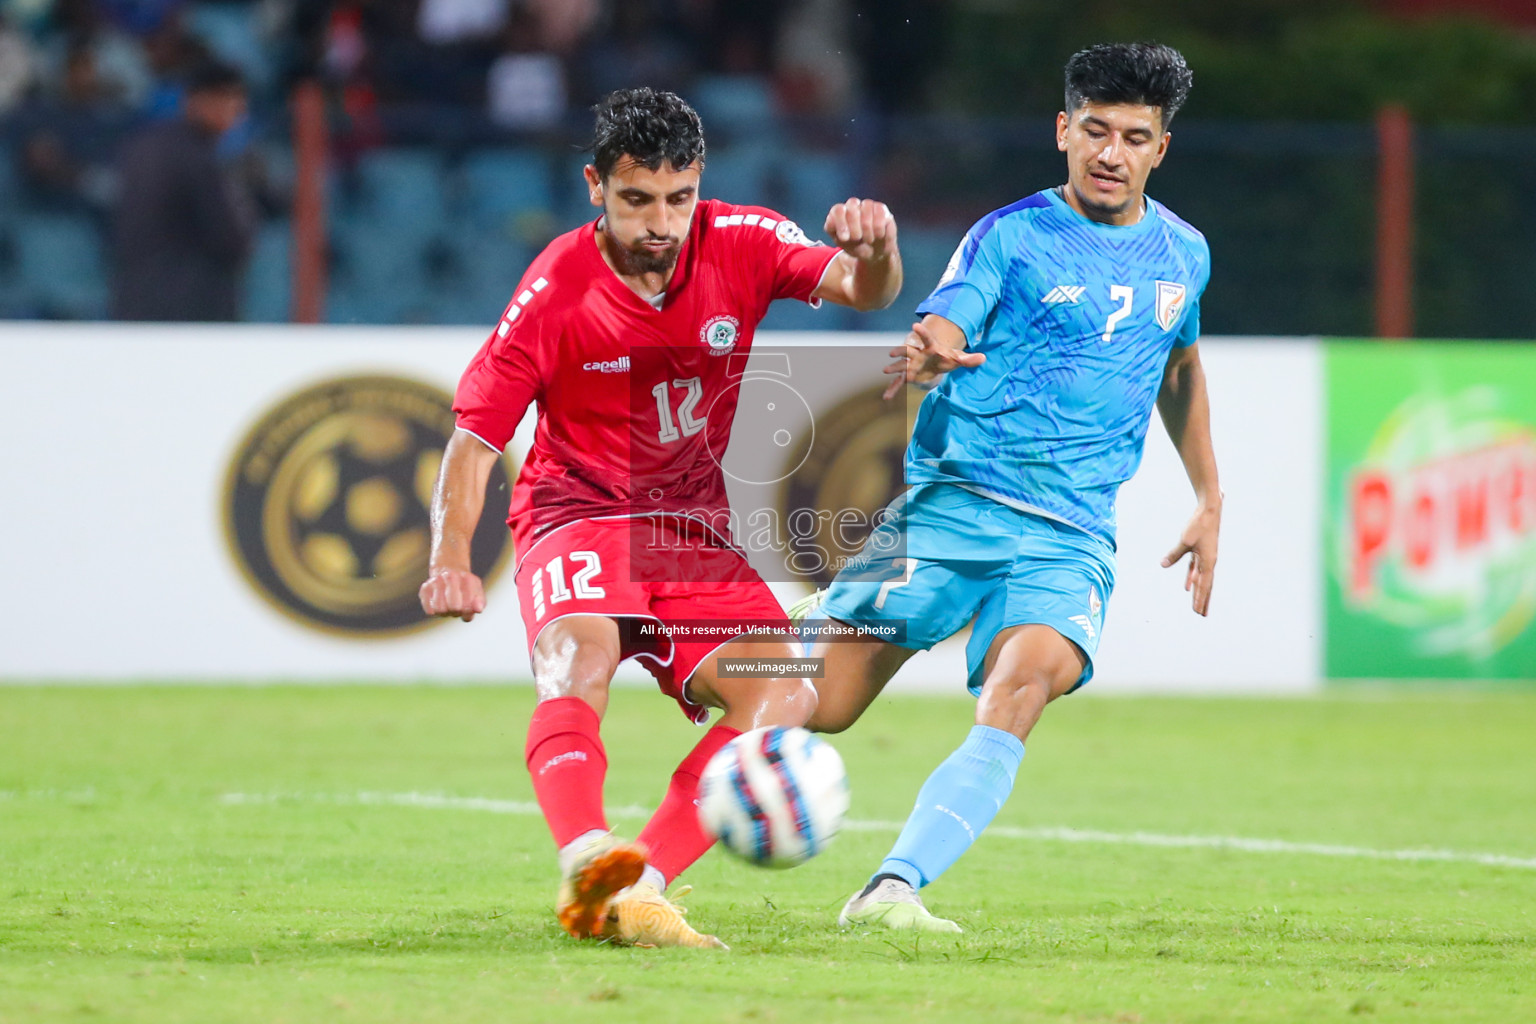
(1170, 303)
(719, 334)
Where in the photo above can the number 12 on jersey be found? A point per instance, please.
(686, 425)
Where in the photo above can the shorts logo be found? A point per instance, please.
(1094, 604)
(789, 233)
(327, 498)
(1170, 303)
(719, 333)
(1087, 625)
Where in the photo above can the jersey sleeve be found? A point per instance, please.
(1189, 330)
(503, 378)
(790, 264)
(972, 284)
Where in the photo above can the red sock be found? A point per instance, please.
(566, 759)
(673, 836)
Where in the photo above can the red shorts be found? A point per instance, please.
(678, 594)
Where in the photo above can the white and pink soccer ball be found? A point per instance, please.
(774, 797)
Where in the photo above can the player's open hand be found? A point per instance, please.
(449, 592)
(863, 228)
(1199, 542)
(924, 357)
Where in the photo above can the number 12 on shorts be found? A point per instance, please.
(581, 586)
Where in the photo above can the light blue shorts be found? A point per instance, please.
(945, 555)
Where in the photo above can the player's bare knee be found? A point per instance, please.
(784, 701)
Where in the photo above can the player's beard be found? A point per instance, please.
(633, 261)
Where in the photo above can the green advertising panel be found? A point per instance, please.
(1431, 510)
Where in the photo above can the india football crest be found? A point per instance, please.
(1170, 303)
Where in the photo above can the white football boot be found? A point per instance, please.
(893, 904)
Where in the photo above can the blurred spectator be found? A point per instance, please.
(525, 88)
(185, 223)
(174, 54)
(563, 24)
(17, 65)
(121, 64)
(816, 72)
(68, 139)
(140, 17)
(642, 46)
(444, 22)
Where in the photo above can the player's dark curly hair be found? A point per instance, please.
(1149, 74)
(651, 126)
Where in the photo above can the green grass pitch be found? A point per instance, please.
(133, 887)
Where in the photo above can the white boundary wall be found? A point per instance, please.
(115, 568)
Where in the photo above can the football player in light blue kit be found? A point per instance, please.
(1060, 322)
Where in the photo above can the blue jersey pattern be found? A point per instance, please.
(1076, 320)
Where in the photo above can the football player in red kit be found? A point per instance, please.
(626, 333)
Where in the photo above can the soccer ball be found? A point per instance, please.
(774, 796)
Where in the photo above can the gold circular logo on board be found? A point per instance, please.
(326, 504)
(855, 464)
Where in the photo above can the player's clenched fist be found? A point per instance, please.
(453, 592)
(863, 228)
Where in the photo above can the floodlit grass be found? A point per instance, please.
(132, 889)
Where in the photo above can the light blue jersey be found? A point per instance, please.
(1076, 320)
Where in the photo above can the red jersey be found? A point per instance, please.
(635, 403)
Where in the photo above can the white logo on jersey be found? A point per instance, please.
(719, 333)
(789, 233)
(1065, 294)
(1094, 604)
(1086, 623)
(619, 365)
(1170, 303)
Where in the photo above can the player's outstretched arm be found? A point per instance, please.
(933, 348)
(452, 588)
(866, 275)
(1186, 410)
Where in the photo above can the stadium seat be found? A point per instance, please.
(738, 174)
(267, 281)
(571, 193)
(10, 182)
(812, 182)
(378, 275)
(734, 103)
(491, 266)
(61, 265)
(404, 187)
(508, 191)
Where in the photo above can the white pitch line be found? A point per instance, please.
(437, 801)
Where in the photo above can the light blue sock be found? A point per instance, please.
(960, 798)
